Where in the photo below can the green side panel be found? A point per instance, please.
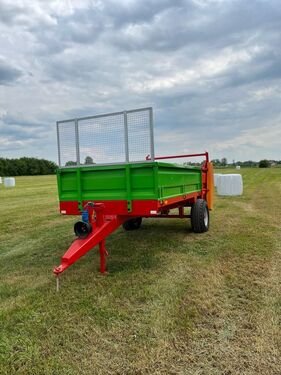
(174, 181)
(142, 183)
(133, 181)
(67, 185)
(104, 184)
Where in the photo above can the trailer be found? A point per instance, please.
(109, 175)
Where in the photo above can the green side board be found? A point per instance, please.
(132, 181)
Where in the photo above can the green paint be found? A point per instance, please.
(79, 188)
(128, 187)
(133, 181)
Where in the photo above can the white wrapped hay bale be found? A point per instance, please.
(238, 167)
(216, 178)
(230, 184)
(0, 180)
(9, 182)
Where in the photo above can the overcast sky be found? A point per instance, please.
(211, 70)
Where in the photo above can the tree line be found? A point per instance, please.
(264, 163)
(26, 166)
(223, 163)
(32, 166)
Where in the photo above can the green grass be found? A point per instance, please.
(173, 302)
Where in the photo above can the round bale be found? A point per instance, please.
(9, 182)
(230, 184)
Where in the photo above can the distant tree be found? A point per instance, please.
(223, 162)
(249, 163)
(70, 162)
(26, 166)
(89, 160)
(264, 163)
(216, 162)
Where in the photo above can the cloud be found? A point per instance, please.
(254, 138)
(24, 14)
(20, 134)
(8, 73)
(210, 68)
(9, 12)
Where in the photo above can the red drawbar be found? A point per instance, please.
(109, 215)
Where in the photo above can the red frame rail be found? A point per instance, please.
(206, 154)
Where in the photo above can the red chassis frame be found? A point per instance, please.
(106, 216)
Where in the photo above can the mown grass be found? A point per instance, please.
(173, 302)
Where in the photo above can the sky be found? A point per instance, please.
(211, 70)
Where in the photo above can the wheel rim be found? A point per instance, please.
(206, 218)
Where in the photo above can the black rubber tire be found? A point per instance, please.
(82, 229)
(132, 224)
(200, 217)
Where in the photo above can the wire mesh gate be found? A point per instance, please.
(104, 139)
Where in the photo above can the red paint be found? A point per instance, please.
(116, 207)
(175, 202)
(69, 208)
(104, 226)
(103, 254)
(139, 207)
(206, 154)
(168, 216)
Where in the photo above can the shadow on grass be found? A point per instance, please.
(145, 248)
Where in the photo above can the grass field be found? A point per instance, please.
(174, 302)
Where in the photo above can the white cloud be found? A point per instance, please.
(265, 136)
(266, 92)
(210, 68)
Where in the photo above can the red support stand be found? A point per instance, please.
(103, 254)
(99, 207)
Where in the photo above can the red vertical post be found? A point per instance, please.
(100, 221)
(92, 221)
(103, 254)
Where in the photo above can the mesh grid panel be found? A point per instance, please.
(67, 143)
(138, 135)
(102, 139)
